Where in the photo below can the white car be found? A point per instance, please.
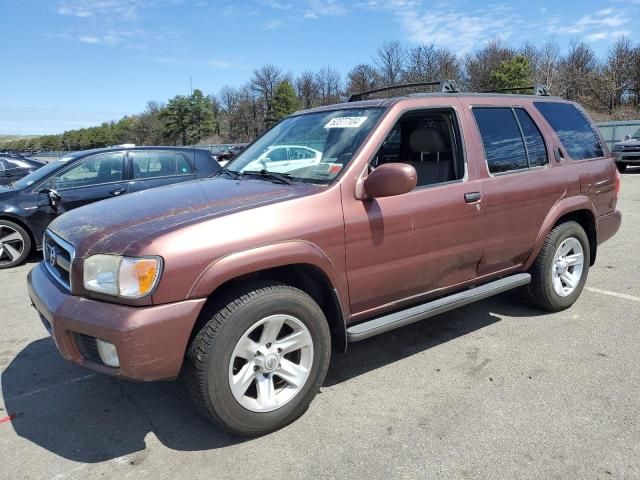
(285, 158)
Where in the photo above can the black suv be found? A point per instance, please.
(28, 205)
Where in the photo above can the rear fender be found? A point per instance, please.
(563, 207)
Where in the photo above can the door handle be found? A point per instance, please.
(117, 192)
(472, 197)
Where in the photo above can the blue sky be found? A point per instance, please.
(73, 63)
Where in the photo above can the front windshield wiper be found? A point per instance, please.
(280, 177)
(229, 173)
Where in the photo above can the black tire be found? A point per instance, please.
(209, 355)
(621, 166)
(6, 260)
(541, 291)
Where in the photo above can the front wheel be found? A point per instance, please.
(560, 270)
(260, 360)
(15, 244)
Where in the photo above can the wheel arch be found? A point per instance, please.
(578, 209)
(298, 263)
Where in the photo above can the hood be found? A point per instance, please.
(113, 225)
(634, 142)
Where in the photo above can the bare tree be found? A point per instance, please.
(428, 63)
(577, 71)
(547, 70)
(329, 82)
(478, 66)
(615, 79)
(361, 78)
(308, 89)
(390, 62)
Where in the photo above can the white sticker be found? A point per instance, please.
(346, 122)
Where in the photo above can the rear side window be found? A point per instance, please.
(503, 145)
(572, 128)
(532, 139)
(158, 163)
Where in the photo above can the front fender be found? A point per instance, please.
(265, 257)
(563, 207)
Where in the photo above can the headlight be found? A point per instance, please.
(127, 277)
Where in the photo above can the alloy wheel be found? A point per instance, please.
(567, 267)
(271, 363)
(11, 245)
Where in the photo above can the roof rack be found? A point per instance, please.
(537, 88)
(446, 86)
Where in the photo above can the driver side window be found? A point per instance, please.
(95, 170)
(427, 140)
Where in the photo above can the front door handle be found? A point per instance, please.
(117, 192)
(472, 197)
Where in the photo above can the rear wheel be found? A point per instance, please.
(260, 360)
(15, 244)
(621, 166)
(560, 271)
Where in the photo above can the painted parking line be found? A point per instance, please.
(614, 294)
(40, 390)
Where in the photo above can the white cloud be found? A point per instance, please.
(608, 17)
(88, 39)
(324, 8)
(607, 35)
(459, 29)
(120, 9)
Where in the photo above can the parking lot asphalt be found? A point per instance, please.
(493, 390)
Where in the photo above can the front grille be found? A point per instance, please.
(58, 256)
(88, 348)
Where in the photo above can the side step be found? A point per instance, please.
(399, 319)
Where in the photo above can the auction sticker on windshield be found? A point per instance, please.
(346, 122)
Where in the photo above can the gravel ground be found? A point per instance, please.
(492, 390)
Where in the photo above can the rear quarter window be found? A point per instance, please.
(573, 129)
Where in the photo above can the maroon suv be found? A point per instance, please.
(243, 282)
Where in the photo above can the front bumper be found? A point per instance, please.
(150, 341)
(627, 157)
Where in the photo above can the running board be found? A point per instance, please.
(405, 317)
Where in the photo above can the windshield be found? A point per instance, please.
(313, 147)
(41, 173)
(636, 135)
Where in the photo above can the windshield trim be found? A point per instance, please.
(342, 106)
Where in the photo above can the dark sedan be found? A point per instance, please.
(28, 205)
(13, 168)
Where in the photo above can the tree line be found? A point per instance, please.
(608, 87)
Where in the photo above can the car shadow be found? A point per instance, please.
(88, 417)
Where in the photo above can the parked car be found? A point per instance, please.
(283, 158)
(245, 281)
(28, 205)
(12, 169)
(230, 152)
(627, 152)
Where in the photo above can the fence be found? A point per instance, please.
(615, 131)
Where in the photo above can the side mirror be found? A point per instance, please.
(390, 179)
(627, 137)
(53, 197)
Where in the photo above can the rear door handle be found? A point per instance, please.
(117, 192)
(472, 197)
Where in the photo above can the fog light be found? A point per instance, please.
(108, 353)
